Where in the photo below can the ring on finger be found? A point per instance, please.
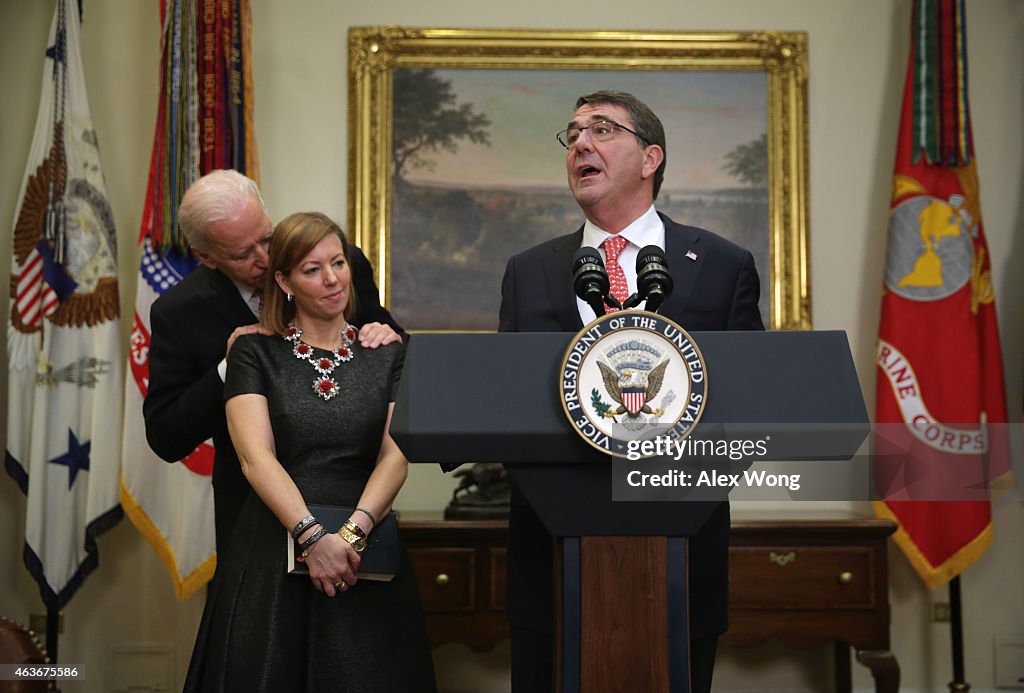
(340, 585)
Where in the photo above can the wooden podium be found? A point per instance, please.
(623, 620)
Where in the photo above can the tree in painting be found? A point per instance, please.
(426, 118)
(438, 228)
(748, 162)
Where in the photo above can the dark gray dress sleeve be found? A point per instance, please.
(247, 372)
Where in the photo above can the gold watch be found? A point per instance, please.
(354, 535)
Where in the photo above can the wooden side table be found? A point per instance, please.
(460, 570)
(806, 582)
(812, 582)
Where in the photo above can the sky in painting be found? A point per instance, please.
(705, 113)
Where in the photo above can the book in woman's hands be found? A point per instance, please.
(378, 562)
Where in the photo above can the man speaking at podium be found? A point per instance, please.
(615, 161)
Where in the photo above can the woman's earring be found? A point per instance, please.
(289, 297)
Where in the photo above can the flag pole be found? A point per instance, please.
(956, 628)
(52, 633)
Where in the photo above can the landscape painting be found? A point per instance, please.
(475, 175)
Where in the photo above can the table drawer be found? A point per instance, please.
(446, 578)
(801, 577)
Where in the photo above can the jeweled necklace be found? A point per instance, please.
(324, 386)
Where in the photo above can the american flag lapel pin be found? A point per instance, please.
(690, 255)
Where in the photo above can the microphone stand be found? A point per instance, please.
(596, 304)
(653, 301)
(632, 302)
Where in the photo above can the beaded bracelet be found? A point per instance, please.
(373, 520)
(314, 538)
(302, 525)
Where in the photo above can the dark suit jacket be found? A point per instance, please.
(190, 326)
(716, 291)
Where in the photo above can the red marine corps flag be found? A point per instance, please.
(940, 375)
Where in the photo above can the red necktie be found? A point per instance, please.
(613, 245)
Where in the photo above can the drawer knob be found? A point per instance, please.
(845, 577)
(782, 559)
(441, 579)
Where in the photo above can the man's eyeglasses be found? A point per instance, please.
(602, 131)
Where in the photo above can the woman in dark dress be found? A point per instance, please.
(308, 410)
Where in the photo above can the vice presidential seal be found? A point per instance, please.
(632, 375)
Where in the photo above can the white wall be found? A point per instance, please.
(857, 61)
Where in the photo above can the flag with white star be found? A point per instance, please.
(63, 340)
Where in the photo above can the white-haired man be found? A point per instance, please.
(194, 324)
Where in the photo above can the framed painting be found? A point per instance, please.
(453, 164)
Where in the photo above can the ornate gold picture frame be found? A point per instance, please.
(453, 164)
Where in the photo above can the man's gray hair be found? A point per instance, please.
(215, 197)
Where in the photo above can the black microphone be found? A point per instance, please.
(653, 280)
(589, 278)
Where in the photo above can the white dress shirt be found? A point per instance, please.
(648, 229)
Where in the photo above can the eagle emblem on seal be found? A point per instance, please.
(632, 379)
